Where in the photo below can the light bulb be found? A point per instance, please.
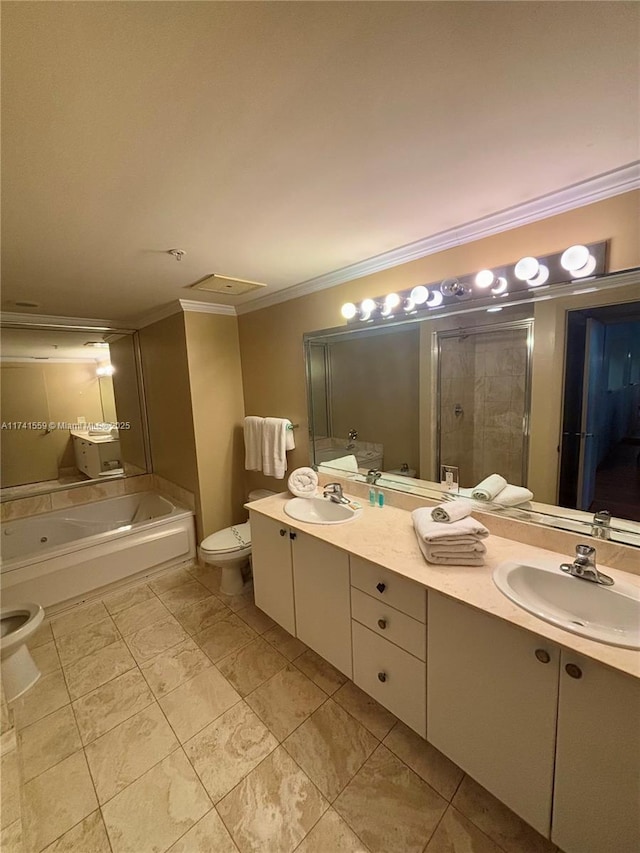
(485, 278)
(435, 299)
(541, 278)
(500, 286)
(574, 258)
(367, 307)
(349, 311)
(586, 270)
(392, 300)
(105, 370)
(526, 268)
(409, 304)
(420, 294)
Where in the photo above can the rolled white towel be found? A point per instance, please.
(460, 532)
(303, 482)
(489, 488)
(444, 558)
(451, 511)
(513, 496)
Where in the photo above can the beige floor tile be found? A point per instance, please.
(46, 696)
(113, 703)
(181, 596)
(320, 671)
(9, 788)
(102, 666)
(157, 809)
(140, 615)
(366, 710)
(197, 702)
(389, 807)
(455, 834)
(427, 761)
(209, 576)
(331, 835)
(88, 836)
(251, 666)
(509, 831)
(285, 701)
(154, 639)
(48, 741)
(46, 658)
(330, 747)
(57, 800)
(78, 617)
(236, 602)
(229, 748)
(171, 668)
(256, 618)
(11, 838)
(224, 637)
(43, 635)
(122, 755)
(169, 580)
(201, 615)
(84, 641)
(209, 835)
(120, 601)
(273, 808)
(281, 640)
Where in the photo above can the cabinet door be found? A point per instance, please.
(272, 572)
(596, 799)
(491, 705)
(323, 607)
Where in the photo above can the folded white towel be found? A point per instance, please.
(303, 482)
(442, 558)
(451, 511)
(460, 532)
(513, 496)
(489, 488)
(274, 447)
(290, 443)
(253, 443)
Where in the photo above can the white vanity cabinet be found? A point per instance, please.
(273, 570)
(596, 798)
(492, 694)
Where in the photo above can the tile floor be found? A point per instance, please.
(172, 718)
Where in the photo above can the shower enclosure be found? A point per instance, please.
(483, 401)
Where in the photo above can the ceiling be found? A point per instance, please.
(280, 141)
(52, 345)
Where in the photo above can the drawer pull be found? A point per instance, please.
(573, 670)
(543, 655)
(382, 676)
(382, 623)
(381, 587)
(283, 532)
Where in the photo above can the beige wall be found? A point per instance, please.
(271, 339)
(166, 376)
(215, 378)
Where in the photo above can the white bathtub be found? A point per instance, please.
(63, 555)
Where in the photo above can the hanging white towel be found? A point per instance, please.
(274, 446)
(253, 443)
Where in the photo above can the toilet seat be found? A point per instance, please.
(30, 616)
(232, 540)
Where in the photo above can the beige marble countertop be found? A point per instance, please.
(386, 537)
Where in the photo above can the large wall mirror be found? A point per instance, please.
(545, 393)
(72, 407)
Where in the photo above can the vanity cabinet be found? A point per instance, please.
(492, 695)
(273, 570)
(596, 798)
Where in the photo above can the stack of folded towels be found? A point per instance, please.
(449, 536)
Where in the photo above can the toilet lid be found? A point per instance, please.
(234, 538)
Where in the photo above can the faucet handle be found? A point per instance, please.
(585, 551)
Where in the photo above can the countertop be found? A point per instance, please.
(386, 537)
(105, 438)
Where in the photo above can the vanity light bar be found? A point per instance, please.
(576, 263)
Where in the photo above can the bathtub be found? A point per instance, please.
(63, 555)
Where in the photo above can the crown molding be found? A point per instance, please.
(207, 307)
(616, 182)
(155, 315)
(8, 318)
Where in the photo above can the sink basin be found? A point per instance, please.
(320, 511)
(607, 614)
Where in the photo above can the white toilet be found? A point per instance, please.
(231, 550)
(17, 625)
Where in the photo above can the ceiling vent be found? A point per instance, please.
(225, 284)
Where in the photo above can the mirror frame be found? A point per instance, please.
(46, 323)
(542, 514)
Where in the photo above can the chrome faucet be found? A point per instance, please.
(352, 435)
(373, 475)
(601, 525)
(584, 566)
(333, 491)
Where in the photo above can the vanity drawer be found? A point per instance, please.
(390, 623)
(381, 584)
(392, 676)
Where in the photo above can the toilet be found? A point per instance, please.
(230, 549)
(17, 625)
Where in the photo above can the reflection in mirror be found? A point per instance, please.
(392, 403)
(71, 409)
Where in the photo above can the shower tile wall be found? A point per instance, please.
(457, 388)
